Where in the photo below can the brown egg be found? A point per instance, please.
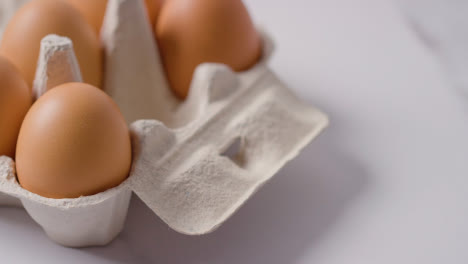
(15, 100)
(73, 142)
(94, 11)
(190, 32)
(37, 19)
(153, 9)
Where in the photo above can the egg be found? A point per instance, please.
(94, 11)
(15, 100)
(153, 8)
(38, 18)
(73, 142)
(190, 32)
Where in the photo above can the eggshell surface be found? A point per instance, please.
(73, 142)
(190, 32)
(39, 18)
(94, 11)
(153, 8)
(15, 100)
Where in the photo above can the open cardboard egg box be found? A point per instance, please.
(194, 162)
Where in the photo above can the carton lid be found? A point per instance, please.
(195, 178)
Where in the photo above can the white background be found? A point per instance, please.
(386, 183)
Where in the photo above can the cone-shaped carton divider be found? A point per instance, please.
(134, 76)
(57, 64)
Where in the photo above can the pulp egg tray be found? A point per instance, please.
(194, 162)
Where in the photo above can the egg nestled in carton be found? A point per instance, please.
(180, 168)
(38, 18)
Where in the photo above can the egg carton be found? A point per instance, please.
(194, 162)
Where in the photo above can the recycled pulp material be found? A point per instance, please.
(57, 64)
(195, 162)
